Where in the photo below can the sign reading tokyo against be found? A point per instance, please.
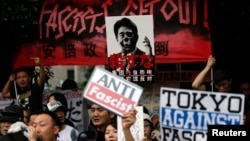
(112, 92)
(186, 114)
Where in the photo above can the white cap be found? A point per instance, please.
(146, 116)
(54, 105)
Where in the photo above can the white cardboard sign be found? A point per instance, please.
(112, 92)
(186, 114)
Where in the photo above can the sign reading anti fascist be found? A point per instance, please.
(112, 92)
(186, 114)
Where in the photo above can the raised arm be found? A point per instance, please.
(148, 45)
(42, 74)
(128, 120)
(199, 79)
(6, 88)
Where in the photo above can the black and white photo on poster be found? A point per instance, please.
(130, 47)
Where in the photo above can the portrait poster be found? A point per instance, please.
(112, 92)
(130, 47)
(137, 129)
(186, 114)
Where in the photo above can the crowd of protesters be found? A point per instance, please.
(28, 120)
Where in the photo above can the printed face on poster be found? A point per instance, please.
(186, 114)
(112, 92)
(130, 47)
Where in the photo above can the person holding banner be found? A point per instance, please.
(28, 94)
(128, 119)
(222, 79)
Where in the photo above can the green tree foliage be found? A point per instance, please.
(18, 22)
(87, 73)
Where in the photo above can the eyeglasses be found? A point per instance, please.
(128, 34)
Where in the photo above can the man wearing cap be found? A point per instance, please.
(10, 115)
(150, 133)
(67, 133)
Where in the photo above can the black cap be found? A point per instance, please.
(12, 113)
(220, 75)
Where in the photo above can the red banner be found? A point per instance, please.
(74, 34)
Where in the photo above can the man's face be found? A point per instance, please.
(32, 119)
(223, 86)
(147, 129)
(45, 128)
(245, 88)
(4, 126)
(59, 112)
(22, 79)
(126, 38)
(99, 116)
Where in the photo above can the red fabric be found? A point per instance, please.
(75, 33)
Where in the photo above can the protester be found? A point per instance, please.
(33, 116)
(47, 126)
(61, 98)
(100, 117)
(222, 79)
(26, 115)
(69, 84)
(150, 132)
(244, 85)
(10, 115)
(128, 119)
(28, 94)
(155, 119)
(67, 133)
(88, 135)
(111, 131)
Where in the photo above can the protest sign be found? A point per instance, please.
(137, 129)
(111, 91)
(186, 114)
(130, 47)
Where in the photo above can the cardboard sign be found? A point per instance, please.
(112, 92)
(137, 129)
(186, 114)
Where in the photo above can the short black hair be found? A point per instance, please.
(28, 70)
(128, 23)
(69, 84)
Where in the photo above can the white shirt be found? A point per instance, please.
(68, 134)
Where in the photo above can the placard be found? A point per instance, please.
(112, 92)
(185, 114)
